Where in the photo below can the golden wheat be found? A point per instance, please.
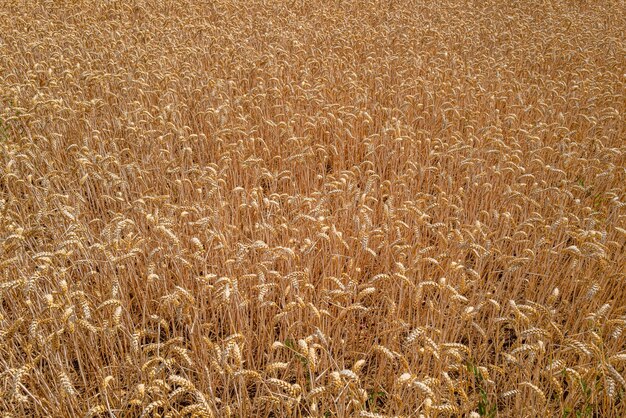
(312, 208)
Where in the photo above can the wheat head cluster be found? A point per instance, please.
(312, 208)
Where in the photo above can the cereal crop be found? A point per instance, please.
(312, 208)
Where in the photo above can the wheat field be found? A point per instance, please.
(312, 208)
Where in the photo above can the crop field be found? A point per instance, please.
(312, 208)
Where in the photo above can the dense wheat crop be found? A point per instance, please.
(312, 208)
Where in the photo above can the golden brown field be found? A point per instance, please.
(312, 208)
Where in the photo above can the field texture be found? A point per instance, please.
(312, 208)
